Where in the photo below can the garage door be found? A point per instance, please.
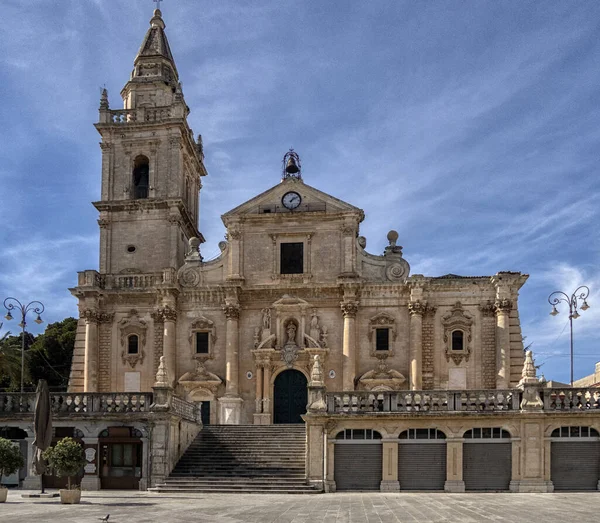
(357, 460)
(487, 459)
(575, 458)
(422, 459)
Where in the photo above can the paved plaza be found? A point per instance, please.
(138, 507)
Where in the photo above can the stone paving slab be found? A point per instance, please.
(142, 507)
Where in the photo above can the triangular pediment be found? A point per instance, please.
(312, 200)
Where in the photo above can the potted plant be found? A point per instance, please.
(11, 460)
(66, 458)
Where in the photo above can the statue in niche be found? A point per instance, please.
(265, 330)
(315, 330)
(266, 319)
(291, 333)
(324, 337)
(289, 353)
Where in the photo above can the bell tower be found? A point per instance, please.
(151, 166)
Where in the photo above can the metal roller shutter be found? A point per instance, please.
(422, 466)
(575, 465)
(357, 466)
(487, 466)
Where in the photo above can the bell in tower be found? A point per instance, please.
(291, 165)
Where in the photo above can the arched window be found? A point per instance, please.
(487, 433)
(575, 432)
(132, 344)
(358, 434)
(141, 177)
(422, 434)
(458, 338)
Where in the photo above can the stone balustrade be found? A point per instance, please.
(121, 281)
(430, 401)
(575, 399)
(185, 409)
(85, 403)
(139, 115)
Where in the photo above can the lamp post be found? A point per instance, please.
(581, 293)
(37, 307)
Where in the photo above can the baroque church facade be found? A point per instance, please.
(294, 280)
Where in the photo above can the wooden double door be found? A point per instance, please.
(120, 464)
(290, 395)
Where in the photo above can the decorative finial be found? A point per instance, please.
(162, 377)
(316, 375)
(104, 99)
(392, 248)
(156, 20)
(292, 167)
(200, 146)
(193, 253)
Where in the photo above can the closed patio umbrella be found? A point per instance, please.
(42, 427)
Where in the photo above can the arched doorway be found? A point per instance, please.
(290, 397)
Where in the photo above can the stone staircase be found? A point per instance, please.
(244, 459)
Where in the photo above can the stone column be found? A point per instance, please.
(259, 388)
(503, 308)
(349, 310)
(91, 478)
(231, 402)
(330, 467)
(389, 469)
(315, 454)
(32, 481)
(454, 465)
(90, 365)
(267, 392)
(169, 317)
(416, 309)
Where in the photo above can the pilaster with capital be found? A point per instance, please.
(231, 310)
(502, 307)
(417, 309)
(92, 319)
(349, 311)
(168, 315)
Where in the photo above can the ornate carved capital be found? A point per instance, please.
(349, 309)
(232, 311)
(487, 309)
(103, 223)
(234, 234)
(417, 307)
(165, 313)
(90, 315)
(106, 317)
(503, 305)
(106, 146)
(347, 230)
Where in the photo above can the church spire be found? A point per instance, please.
(156, 47)
(154, 80)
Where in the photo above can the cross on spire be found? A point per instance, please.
(157, 2)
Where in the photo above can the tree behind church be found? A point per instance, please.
(50, 355)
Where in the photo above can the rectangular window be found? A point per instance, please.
(382, 339)
(292, 258)
(202, 343)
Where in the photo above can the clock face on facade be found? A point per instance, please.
(291, 200)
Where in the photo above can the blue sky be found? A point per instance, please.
(470, 127)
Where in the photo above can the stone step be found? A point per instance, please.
(201, 490)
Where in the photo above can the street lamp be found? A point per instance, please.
(37, 307)
(581, 293)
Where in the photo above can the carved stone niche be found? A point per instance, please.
(202, 325)
(458, 331)
(128, 327)
(382, 320)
